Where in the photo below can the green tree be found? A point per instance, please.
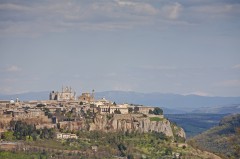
(130, 156)
(69, 115)
(34, 135)
(157, 111)
(41, 105)
(122, 148)
(8, 135)
(150, 111)
(46, 111)
(20, 130)
(168, 151)
(46, 133)
(29, 138)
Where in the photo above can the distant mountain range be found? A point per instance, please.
(175, 103)
(226, 109)
(171, 103)
(43, 95)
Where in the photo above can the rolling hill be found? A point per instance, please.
(226, 109)
(43, 95)
(223, 140)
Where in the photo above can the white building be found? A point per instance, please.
(66, 136)
(104, 109)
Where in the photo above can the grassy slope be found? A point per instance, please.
(151, 145)
(223, 139)
(21, 155)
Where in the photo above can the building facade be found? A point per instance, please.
(105, 109)
(86, 98)
(66, 94)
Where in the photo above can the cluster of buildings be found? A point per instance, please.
(63, 110)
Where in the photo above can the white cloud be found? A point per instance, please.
(237, 66)
(13, 68)
(173, 11)
(220, 11)
(229, 83)
(216, 8)
(36, 18)
(10, 6)
(198, 93)
(33, 18)
(138, 7)
(41, 17)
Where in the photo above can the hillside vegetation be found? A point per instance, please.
(223, 140)
(100, 144)
(108, 145)
(194, 124)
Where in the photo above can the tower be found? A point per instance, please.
(92, 95)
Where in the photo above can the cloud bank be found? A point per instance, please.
(39, 17)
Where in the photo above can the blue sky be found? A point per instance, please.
(184, 47)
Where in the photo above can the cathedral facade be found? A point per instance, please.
(66, 94)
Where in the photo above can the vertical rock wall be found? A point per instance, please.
(133, 122)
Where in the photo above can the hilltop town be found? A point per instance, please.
(70, 126)
(65, 111)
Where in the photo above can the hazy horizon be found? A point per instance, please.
(111, 91)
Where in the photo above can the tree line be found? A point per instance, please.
(23, 131)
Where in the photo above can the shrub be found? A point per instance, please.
(155, 119)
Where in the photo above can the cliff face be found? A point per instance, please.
(133, 122)
(4, 123)
(178, 131)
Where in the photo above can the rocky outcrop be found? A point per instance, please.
(4, 123)
(133, 122)
(178, 131)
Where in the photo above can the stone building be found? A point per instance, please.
(66, 136)
(66, 94)
(145, 109)
(86, 98)
(105, 109)
(102, 102)
(24, 114)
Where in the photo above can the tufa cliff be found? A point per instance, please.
(135, 122)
